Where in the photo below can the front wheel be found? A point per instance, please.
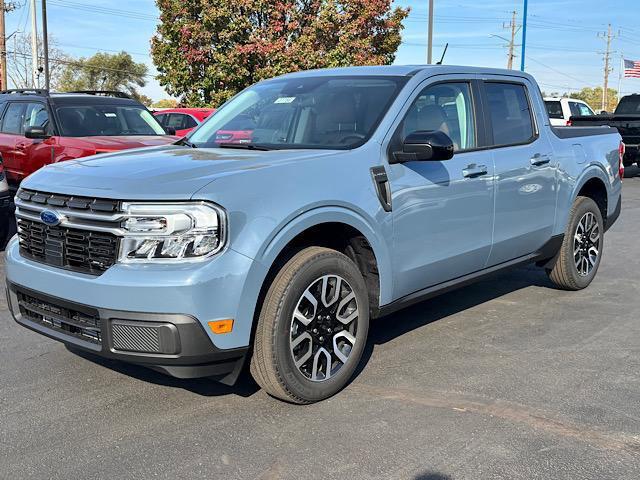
(312, 327)
(577, 262)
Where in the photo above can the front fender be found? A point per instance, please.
(281, 237)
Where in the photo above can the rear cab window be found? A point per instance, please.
(510, 114)
(554, 109)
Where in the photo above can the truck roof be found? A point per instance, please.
(407, 70)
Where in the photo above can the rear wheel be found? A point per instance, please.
(579, 257)
(312, 327)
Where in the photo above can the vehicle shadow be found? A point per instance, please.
(386, 329)
(244, 387)
(432, 476)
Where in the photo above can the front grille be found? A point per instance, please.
(91, 248)
(83, 325)
(79, 250)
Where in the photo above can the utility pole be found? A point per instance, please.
(514, 30)
(34, 44)
(4, 8)
(430, 35)
(524, 34)
(608, 37)
(3, 50)
(45, 44)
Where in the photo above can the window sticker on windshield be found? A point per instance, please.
(285, 100)
(110, 114)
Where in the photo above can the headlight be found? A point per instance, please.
(170, 232)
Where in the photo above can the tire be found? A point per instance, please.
(277, 362)
(574, 269)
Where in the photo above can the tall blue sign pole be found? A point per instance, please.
(524, 34)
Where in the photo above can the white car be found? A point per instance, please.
(561, 109)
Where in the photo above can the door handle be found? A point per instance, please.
(473, 171)
(21, 146)
(539, 159)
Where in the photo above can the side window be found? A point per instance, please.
(162, 119)
(584, 109)
(36, 116)
(511, 118)
(175, 121)
(13, 118)
(447, 107)
(575, 108)
(189, 122)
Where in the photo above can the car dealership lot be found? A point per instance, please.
(507, 378)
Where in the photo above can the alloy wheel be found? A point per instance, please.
(586, 244)
(324, 328)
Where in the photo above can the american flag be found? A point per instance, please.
(631, 68)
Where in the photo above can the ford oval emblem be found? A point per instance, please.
(50, 218)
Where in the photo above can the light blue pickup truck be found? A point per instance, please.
(351, 193)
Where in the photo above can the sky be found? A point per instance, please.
(564, 51)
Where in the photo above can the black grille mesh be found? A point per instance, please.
(135, 338)
(79, 250)
(84, 325)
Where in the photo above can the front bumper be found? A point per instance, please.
(176, 345)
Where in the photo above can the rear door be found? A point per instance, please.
(525, 201)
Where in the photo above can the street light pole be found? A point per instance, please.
(524, 34)
(34, 44)
(430, 35)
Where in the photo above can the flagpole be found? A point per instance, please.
(620, 75)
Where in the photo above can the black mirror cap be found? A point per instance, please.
(170, 130)
(36, 133)
(425, 145)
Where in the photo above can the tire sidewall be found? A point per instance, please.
(316, 267)
(584, 206)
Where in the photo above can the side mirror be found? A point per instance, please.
(425, 145)
(36, 133)
(170, 130)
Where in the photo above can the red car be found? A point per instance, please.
(38, 128)
(183, 120)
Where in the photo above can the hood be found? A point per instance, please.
(169, 173)
(109, 143)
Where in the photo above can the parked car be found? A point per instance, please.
(182, 120)
(363, 190)
(6, 209)
(38, 127)
(626, 119)
(561, 109)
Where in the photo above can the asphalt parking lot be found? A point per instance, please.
(508, 378)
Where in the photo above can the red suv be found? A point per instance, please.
(38, 127)
(183, 120)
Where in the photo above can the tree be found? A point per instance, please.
(20, 66)
(206, 51)
(105, 71)
(593, 96)
(166, 103)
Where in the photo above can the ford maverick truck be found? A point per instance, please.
(359, 191)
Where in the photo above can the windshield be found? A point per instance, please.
(629, 105)
(106, 120)
(316, 112)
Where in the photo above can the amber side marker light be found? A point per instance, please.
(221, 326)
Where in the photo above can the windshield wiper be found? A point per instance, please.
(186, 143)
(245, 146)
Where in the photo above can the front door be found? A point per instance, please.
(442, 210)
